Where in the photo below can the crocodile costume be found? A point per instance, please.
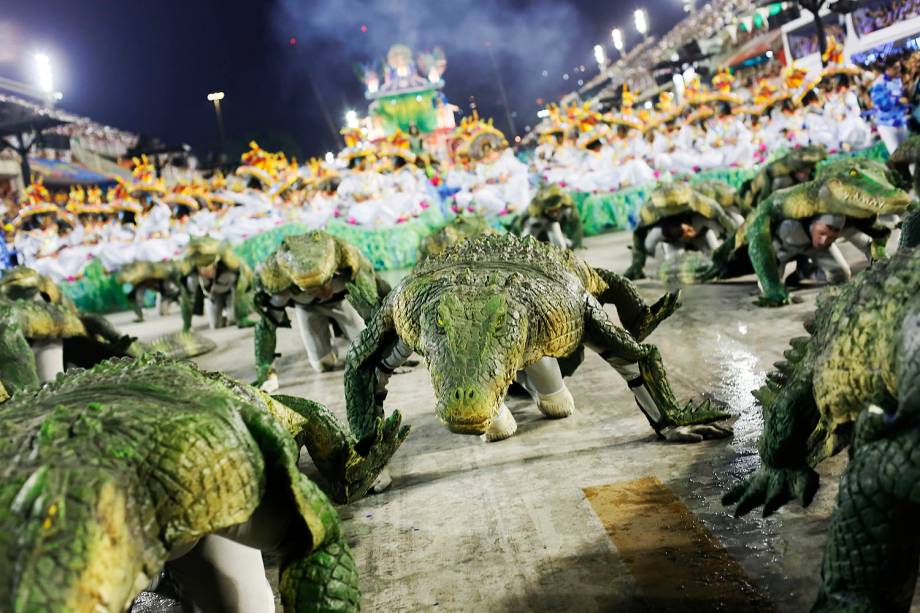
(797, 166)
(860, 366)
(724, 194)
(326, 280)
(667, 216)
(27, 323)
(141, 276)
(41, 332)
(461, 228)
(907, 155)
(551, 216)
(99, 488)
(492, 306)
(212, 277)
(857, 190)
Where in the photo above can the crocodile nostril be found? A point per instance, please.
(470, 393)
(458, 394)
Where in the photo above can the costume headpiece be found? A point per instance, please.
(38, 202)
(145, 179)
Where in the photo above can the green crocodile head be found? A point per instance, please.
(811, 154)
(309, 261)
(460, 229)
(474, 342)
(24, 283)
(551, 202)
(20, 283)
(861, 190)
(203, 251)
(797, 165)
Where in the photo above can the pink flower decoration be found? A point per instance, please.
(353, 221)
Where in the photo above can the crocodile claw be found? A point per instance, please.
(368, 457)
(696, 433)
(657, 313)
(772, 488)
(634, 273)
(702, 413)
(776, 299)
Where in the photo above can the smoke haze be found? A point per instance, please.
(527, 39)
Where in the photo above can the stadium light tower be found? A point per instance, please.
(351, 119)
(641, 20)
(43, 76)
(617, 37)
(216, 97)
(599, 56)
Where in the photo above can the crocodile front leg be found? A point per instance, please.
(136, 302)
(790, 416)
(186, 306)
(242, 301)
(636, 268)
(572, 228)
(640, 365)
(910, 227)
(763, 259)
(113, 342)
(368, 366)
(351, 467)
(635, 315)
(265, 337)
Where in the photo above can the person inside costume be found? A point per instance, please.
(811, 244)
(214, 281)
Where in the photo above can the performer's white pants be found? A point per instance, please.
(313, 322)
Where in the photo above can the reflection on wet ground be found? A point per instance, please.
(470, 526)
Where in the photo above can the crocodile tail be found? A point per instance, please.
(687, 268)
(180, 345)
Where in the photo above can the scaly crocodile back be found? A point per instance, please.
(525, 255)
(139, 271)
(851, 350)
(180, 345)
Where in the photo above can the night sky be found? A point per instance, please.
(148, 66)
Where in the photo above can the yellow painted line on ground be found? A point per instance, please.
(677, 564)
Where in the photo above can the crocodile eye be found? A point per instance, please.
(853, 172)
(440, 325)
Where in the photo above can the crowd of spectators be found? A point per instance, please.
(806, 43)
(880, 15)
